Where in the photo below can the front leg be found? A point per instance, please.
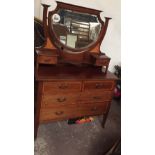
(37, 108)
(106, 115)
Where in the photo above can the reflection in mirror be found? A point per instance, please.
(75, 29)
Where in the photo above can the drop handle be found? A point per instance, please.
(47, 60)
(63, 86)
(59, 112)
(97, 97)
(94, 109)
(61, 99)
(98, 85)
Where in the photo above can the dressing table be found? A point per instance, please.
(71, 73)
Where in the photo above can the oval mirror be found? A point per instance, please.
(74, 29)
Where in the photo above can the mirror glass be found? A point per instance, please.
(75, 29)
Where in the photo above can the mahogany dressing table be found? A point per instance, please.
(71, 74)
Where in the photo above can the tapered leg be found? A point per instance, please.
(103, 121)
(37, 108)
(106, 115)
(35, 130)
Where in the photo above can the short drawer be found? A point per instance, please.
(101, 62)
(61, 87)
(93, 109)
(57, 113)
(98, 85)
(47, 59)
(59, 100)
(90, 97)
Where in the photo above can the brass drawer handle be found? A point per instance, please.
(97, 97)
(47, 60)
(59, 112)
(94, 109)
(98, 85)
(61, 99)
(63, 86)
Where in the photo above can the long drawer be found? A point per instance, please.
(72, 111)
(59, 100)
(61, 87)
(98, 85)
(75, 98)
(93, 97)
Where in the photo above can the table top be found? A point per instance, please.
(71, 72)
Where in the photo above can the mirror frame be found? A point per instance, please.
(55, 40)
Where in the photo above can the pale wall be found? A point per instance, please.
(37, 9)
(111, 44)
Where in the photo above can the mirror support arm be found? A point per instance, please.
(105, 28)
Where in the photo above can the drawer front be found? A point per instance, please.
(61, 87)
(90, 97)
(98, 85)
(102, 62)
(57, 113)
(72, 111)
(59, 100)
(47, 59)
(93, 109)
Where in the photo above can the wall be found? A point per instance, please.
(37, 8)
(111, 44)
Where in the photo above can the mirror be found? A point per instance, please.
(74, 29)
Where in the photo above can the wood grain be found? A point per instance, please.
(93, 97)
(42, 59)
(59, 100)
(72, 111)
(98, 85)
(61, 87)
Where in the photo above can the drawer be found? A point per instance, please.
(61, 87)
(98, 85)
(93, 109)
(101, 62)
(59, 100)
(90, 97)
(47, 59)
(57, 113)
(72, 111)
